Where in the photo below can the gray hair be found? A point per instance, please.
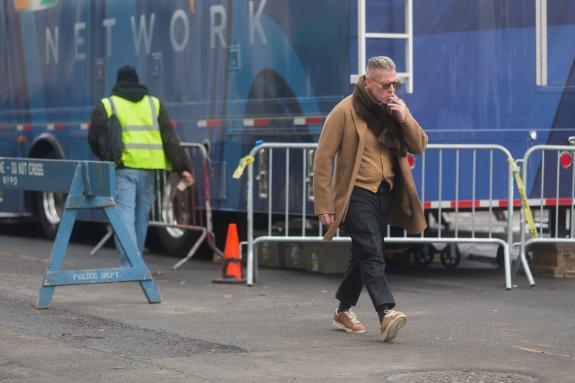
(380, 62)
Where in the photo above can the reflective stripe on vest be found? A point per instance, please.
(143, 148)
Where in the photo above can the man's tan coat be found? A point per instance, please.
(342, 139)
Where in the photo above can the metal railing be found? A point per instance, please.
(181, 212)
(439, 178)
(551, 181)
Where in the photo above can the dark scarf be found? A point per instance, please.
(378, 119)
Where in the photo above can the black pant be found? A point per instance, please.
(365, 223)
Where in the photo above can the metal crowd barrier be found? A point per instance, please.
(549, 176)
(448, 179)
(181, 212)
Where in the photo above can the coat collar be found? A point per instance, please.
(361, 128)
(360, 125)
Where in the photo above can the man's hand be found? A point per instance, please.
(327, 219)
(188, 177)
(398, 108)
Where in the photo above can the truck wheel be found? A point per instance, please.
(49, 207)
(175, 241)
(450, 256)
(423, 254)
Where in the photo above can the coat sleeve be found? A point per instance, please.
(327, 149)
(177, 155)
(414, 136)
(97, 129)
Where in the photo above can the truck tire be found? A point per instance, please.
(49, 206)
(450, 256)
(423, 254)
(174, 241)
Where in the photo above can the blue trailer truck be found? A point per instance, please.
(232, 72)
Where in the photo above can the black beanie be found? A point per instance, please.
(127, 73)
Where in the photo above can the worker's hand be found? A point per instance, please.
(187, 177)
(398, 108)
(327, 219)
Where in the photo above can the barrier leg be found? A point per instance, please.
(526, 268)
(56, 257)
(507, 262)
(521, 261)
(516, 262)
(102, 242)
(192, 250)
(134, 257)
(250, 268)
(212, 245)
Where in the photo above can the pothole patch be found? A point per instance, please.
(108, 336)
(12, 371)
(459, 376)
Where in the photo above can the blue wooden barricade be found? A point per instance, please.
(90, 185)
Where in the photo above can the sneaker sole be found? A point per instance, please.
(342, 327)
(392, 328)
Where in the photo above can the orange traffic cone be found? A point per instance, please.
(232, 265)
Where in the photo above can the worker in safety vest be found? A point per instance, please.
(148, 143)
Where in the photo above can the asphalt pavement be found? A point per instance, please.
(462, 326)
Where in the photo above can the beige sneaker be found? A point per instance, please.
(347, 321)
(392, 322)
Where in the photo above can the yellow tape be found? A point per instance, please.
(526, 208)
(244, 161)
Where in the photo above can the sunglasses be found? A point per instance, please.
(386, 85)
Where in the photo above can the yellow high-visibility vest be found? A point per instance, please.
(143, 148)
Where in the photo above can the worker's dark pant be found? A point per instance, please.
(365, 223)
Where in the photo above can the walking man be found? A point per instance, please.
(149, 142)
(367, 137)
